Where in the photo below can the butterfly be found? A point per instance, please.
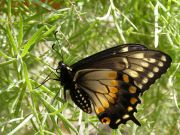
(110, 82)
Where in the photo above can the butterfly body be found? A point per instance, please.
(110, 82)
(66, 76)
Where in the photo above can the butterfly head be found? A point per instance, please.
(61, 65)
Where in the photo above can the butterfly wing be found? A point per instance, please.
(91, 60)
(112, 81)
(112, 93)
(142, 64)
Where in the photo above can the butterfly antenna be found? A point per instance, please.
(45, 80)
(53, 46)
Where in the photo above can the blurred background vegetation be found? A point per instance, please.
(83, 27)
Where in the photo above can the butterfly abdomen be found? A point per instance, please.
(81, 99)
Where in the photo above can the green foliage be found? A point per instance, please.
(84, 28)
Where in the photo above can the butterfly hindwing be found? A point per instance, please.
(112, 93)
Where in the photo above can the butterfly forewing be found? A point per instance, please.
(143, 65)
(103, 55)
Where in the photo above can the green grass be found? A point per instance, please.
(84, 28)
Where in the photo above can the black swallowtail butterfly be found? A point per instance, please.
(111, 81)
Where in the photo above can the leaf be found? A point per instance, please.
(21, 124)
(36, 37)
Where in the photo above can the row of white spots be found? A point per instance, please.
(145, 64)
(151, 60)
(83, 102)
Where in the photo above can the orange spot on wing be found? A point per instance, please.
(113, 89)
(114, 83)
(129, 108)
(133, 100)
(125, 78)
(106, 120)
(132, 89)
(99, 110)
